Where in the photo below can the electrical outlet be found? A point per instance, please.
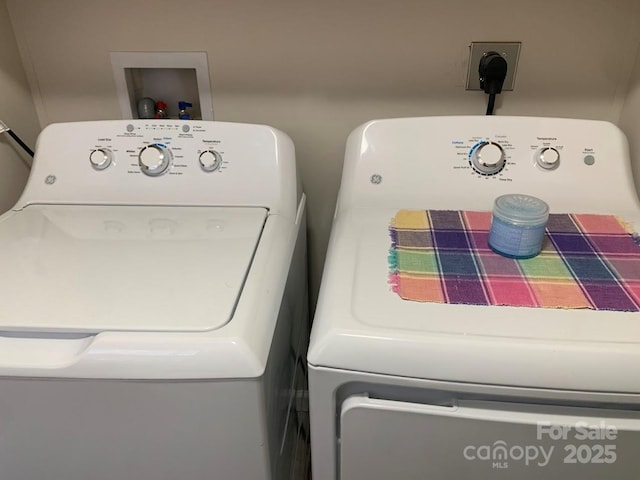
(509, 50)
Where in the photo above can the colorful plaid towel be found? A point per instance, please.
(587, 261)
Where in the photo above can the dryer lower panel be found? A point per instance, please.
(382, 439)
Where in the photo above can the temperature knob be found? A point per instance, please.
(210, 160)
(487, 158)
(154, 159)
(100, 158)
(548, 158)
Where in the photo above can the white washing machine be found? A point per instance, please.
(154, 305)
(428, 390)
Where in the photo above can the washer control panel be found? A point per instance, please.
(155, 155)
(162, 162)
(155, 159)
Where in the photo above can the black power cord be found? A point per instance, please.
(19, 141)
(5, 129)
(492, 70)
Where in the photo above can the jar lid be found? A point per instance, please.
(521, 209)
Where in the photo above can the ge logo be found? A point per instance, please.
(50, 180)
(376, 179)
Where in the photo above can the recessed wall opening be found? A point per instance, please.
(170, 77)
(169, 85)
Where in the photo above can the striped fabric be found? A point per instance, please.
(587, 261)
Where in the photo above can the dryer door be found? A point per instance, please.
(383, 439)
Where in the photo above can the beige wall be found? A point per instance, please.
(630, 121)
(318, 69)
(16, 111)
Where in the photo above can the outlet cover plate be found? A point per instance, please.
(509, 50)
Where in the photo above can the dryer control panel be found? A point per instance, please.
(163, 162)
(466, 162)
(494, 155)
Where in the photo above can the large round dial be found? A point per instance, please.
(548, 158)
(154, 159)
(210, 160)
(487, 158)
(100, 158)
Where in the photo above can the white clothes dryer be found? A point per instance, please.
(154, 305)
(454, 390)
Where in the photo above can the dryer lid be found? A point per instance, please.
(362, 325)
(75, 268)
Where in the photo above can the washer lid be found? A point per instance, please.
(98, 268)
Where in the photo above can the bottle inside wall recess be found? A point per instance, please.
(161, 109)
(184, 113)
(146, 108)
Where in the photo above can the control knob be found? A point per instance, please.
(210, 160)
(154, 159)
(100, 158)
(548, 158)
(487, 158)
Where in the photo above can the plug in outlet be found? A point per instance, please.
(509, 50)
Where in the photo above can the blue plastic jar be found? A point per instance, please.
(517, 225)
